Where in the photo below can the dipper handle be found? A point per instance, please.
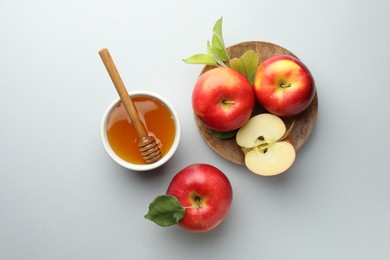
(123, 94)
(147, 144)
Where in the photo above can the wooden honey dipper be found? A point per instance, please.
(148, 146)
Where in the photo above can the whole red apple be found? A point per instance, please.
(205, 193)
(283, 85)
(223, 99)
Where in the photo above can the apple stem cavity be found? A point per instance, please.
(197, 200)
(285, 85)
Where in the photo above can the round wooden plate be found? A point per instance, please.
(303, 123)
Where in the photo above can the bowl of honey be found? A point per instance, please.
(120, 138)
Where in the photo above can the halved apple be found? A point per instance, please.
(263, 141)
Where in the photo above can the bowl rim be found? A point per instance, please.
(132, 166)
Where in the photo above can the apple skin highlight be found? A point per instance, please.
(205, 193)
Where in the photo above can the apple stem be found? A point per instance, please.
(227, 101)
(285, 85)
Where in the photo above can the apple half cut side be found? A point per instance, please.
(266, 151)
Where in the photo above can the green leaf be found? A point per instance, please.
(237, 64)
(217, 29)
(209, 48)
(247, 64)
(207, 59)
(165, 210)
(216, 52)
(224, 135)
(218, 43)
(219, 48)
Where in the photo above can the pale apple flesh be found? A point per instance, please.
(265, 153)
(273, 160)
(264, 125)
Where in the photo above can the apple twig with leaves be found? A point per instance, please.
(217, 55)
(216, 51)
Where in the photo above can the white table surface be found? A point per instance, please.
(62, 197)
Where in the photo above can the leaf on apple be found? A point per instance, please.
(165, 210)
(224, 135)
(247, 64)
(216, 52)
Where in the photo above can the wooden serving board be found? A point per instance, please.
(304, 122)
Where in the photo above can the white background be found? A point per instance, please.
(62, 197)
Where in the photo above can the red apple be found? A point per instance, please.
(223, 99)
(205, 193)
(283, 85)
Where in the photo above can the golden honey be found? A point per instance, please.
(157, 119)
